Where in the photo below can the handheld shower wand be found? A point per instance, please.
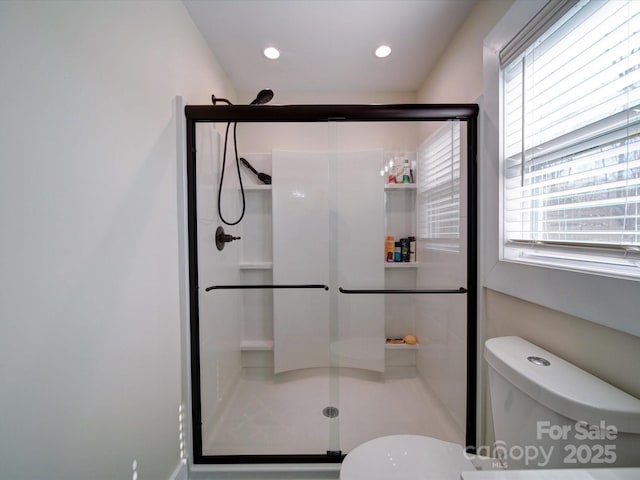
(264, 96)
(263, 177)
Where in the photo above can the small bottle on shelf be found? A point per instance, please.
(412, 249)
(404, 246)
(406, 172)
(397, 257)
(390, 248)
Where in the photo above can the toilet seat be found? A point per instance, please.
(405, 457)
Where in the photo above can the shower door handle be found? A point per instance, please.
(394, 291)
(265, 287)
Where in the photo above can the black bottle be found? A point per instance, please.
(404, 246)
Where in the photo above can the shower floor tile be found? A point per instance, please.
(282, 414)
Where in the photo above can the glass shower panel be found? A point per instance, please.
(265, 326)
(401, 340)
(219, 332)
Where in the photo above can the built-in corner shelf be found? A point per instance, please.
(256, 345)
(257, 187)
(400, 264)
(400, 186)
(400, 346)
(256, 265)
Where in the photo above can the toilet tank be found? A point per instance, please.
(548, 413)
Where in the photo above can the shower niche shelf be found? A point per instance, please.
(256, 345)
(259, 186)
(256, 250)
(400, 346)
(255, 265)
(400, 211)
(400, 186)
(401, 222)
(401, 265)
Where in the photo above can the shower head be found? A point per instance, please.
(264, 96)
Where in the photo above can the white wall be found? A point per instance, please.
(89, 290)
(457, 76)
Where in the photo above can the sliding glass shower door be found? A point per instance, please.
(400, 341)
(314, 331)
(265, 298)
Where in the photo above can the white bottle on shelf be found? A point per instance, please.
(406, 172)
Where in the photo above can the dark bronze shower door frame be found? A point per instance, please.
(328, 113)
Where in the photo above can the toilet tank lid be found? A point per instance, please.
(561, 386)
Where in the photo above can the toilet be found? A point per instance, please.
(405, 457)
(547, 414)
(541, 402)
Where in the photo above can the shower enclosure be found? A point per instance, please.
(301, 329)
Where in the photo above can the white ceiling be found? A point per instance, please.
(327, 45)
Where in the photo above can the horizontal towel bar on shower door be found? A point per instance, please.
(266, 287)
(392, 291)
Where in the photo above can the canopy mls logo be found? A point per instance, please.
(577, 444)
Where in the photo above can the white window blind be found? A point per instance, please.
(439, 189)
(571, 133)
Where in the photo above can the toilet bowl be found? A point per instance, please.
(405, 457)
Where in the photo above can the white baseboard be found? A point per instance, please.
(324, 471)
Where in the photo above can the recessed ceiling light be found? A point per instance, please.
(383, 51)
(271, 53)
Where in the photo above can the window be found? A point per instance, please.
(439, 195)
(571, 141)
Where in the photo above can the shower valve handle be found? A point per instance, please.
(228, 238)
(222, 238)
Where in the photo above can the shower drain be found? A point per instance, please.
(330, 412)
